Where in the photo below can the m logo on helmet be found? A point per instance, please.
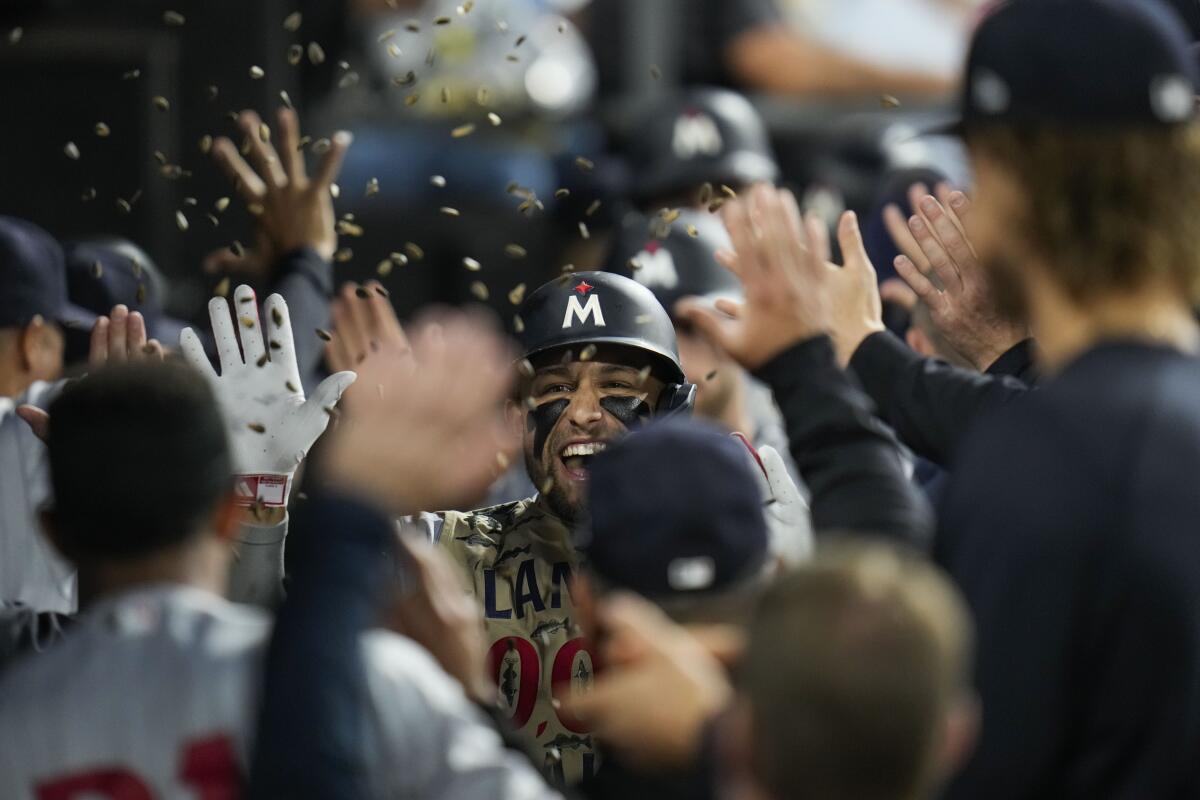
(696, 133)
(656, 267)
(583, 311)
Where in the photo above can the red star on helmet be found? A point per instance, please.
(584, 287)
(651, 246)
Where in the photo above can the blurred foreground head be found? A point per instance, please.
(1085, 151)
(140, 466)
(676, 515)
(855, 680)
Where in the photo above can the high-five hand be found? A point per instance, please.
(271, 425)
(792, 290)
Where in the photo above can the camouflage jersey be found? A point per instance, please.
(517, 558)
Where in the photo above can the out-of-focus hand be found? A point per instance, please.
(426, 429)
(364, 322)
(271, 424)
(116, 338)
(792, 290)
(940, 265)
(295, 210)
(434, 610)
(659, 687)
(121, 336)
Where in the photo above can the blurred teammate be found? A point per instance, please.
(153, 555)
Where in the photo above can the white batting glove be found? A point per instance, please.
(789, 523)
(271, 425)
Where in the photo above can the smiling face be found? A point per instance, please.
(580, 406)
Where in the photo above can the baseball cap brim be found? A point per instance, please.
(74, 316)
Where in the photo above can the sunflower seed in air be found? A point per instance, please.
(388, 34)
(585, 164)
(493, 118)
(343, 255)
(257, 428)
(412, 26)
(471, 264)
(411, 100)
(448, 211)
(292, 21)
(161, 103)
(97, 270)
(173, 18)
(561, 193)
(889, 101)
(15, 35)
(131, 74)
(587, 353)
(295, 53)
(324, 335)
(438, 181)
(256, 72)
(372, 187)
(102, 130)
(442, 21)
(692, 232)
(655, 72)
(583, 230)
(262, 360)
(525, 367)
(286, 98)
(480, 290)
(463, 130)
(514, 251)
(236, 248)
(518, 323)
(316, 54)
(181, 221)
(728, 192)
(71, 151)
(414, 251)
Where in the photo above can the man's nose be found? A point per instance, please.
(585, 410)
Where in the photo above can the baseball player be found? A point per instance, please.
(153, 691)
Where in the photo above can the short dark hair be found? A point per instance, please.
(852, 662)
(139, 458)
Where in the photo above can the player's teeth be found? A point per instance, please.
(583, 449)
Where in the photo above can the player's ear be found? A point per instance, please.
(227, 518)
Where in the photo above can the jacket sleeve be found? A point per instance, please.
(848, 458)
(256, 575)
(314, 748)
(930, 403)
(306, 282)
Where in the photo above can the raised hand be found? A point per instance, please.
(364, 322)
(121, 336)
(425, 429)
(271, 424)
(940, 265)
(792, 290)
(295, 210)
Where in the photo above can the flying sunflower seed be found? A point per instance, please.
(236, 248)
(642, 319)
(518, 324)
(181, 221)
(173, 18)
(643, 375)
(262, 360)
(710, 376)
(463, 130)
(291, 387)
(655, 72)
(190, 201)
(388, 34)
(393, 50)
(15, 35)
(561, 193)
(97, 270)
(332, 412)
(494, 118)
(206, 142)
(520, 41)
(480, 290)
(585, 164)
(171, 171)
(715, 205)
(361, 292)
(372, 187)
(706, 193)
(445, 94)
(411, 100)
(88, 194)
(669, 215)
(131, 74)
(592, 208)
(516, 294)
(256, 427)
(264, 132)
(889, 101)
(583, 231)
(438, 181)
(304, 142)
(295, 54)
(124, 205)
(348, 80)
(399, 259)
(513, 250)
(728, 192)
(161, 103)
(466, 7)
(448, 211)
(141, 293)
(255, 209)
(407, 79)
(71, 151)
(692, 232)
(334, 190)
(501, 461)
(316, 54)
(586, 353)
(482, 95)
(286, 98)
(292, 21)
(634, 264)
(471, 264)
(324, 335)
(346, 228)
(525, 367)
(525, 206)
(384, 268)
(211, 218)
(512, 57)
(412, 26)
(442, 21)
(343, 255)
(102, 130)
(256, 72)
(414, 251)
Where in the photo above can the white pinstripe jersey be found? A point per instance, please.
(153, 694)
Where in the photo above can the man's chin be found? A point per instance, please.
(565, 498)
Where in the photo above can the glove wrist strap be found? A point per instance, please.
(268, 490)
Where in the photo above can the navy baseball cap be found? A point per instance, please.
(33, 280)
(675, 510)
(1078, 63)
(105, 272)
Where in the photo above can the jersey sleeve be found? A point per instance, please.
(434, 742)
(256, 575)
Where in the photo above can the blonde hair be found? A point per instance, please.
(1107, 210)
